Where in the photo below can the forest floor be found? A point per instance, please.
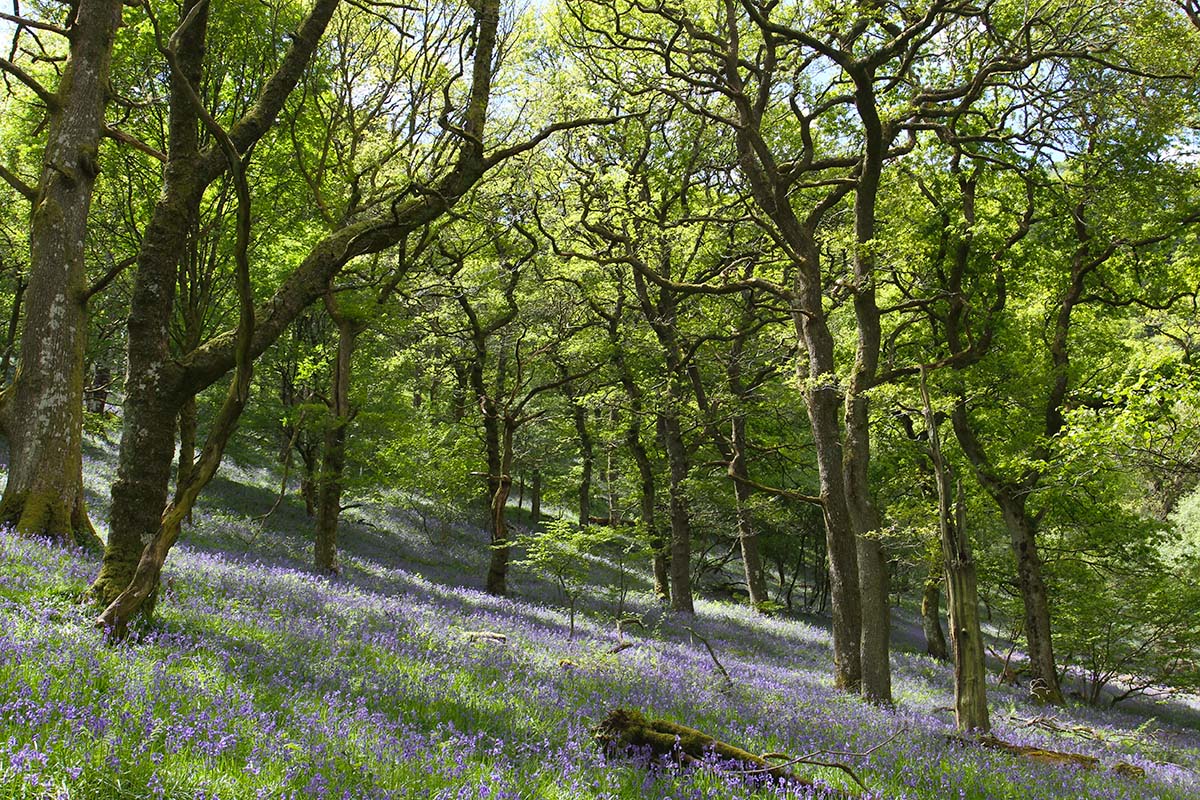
(260, 679)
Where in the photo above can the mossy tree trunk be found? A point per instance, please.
(151, 409)
(43, 408)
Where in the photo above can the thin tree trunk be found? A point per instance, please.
(1022, 533)
(43, 408)
(535, 499)
(333, 462)
(586, 460)
(14, 326)
(970, 677)
(188, 424)
(647, 506)
(681, 527)
(756, 578)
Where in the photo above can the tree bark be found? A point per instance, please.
(43, 408)
(822, 401)
(500, 456)
(188, 426)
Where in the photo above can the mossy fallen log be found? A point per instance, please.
(1052, 757)
(1039, 754)
(625, 731)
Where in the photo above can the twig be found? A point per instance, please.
(810, 758)
(728, 680)
(287, 466)
(628, 621)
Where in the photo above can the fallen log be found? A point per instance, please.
(1039, 754)
(485, 636)
(1052, 757)
(625, 731)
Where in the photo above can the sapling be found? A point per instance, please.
(560, 551)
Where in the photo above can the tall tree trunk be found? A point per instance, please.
(1043, 684)
(931, 614)
(872, 563)
(823, 403)
(43, 408)
(139, 494)
(681, 527)
(153, 392)
(333, 462)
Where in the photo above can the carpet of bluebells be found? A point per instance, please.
(259, 679)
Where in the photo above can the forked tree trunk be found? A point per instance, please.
(970, 677)
(43, 408)
(153, 386)
(139, 494)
